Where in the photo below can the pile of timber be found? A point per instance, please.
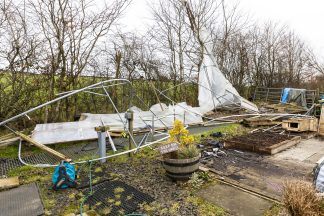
(258, 121)
(286, 108)
(8, 139)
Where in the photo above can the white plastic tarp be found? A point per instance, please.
(214, 89)
(84, 129)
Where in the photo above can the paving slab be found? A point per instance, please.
(9, 182)
(235, 201)
(21, 201)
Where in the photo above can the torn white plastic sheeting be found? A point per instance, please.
(84, 129)
(214, 89)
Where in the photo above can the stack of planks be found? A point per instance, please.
(8, 139)
(258, 121)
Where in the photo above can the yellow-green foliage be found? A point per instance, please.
(181, 135)
(106, 211)
(20, 171)
(146, 153)
(275, 210)
(119, 190)
(174, 208)
(98, 169)
(205, 208)
(9, 151)
(29, 174)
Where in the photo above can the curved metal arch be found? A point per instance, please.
(68, 94)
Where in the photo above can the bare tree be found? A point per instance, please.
(71, 31)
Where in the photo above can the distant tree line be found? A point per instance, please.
(52, 46)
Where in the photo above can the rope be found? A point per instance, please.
(90, 186)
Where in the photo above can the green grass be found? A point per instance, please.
(228, 130)
(274, 210)
(206, 208)
(10, 151)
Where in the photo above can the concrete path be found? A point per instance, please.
(235, 201)
(307, 151)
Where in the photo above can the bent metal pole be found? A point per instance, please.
(62, 97)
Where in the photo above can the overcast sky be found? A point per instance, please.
(306, 17)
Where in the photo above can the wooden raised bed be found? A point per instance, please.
(263, 142)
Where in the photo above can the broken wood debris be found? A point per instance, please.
(8, 139)
(41, 146)
(257, 121)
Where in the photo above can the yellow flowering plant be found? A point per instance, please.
(180, 134)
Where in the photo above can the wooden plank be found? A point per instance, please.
(41, 146)
(7, 142)
(7, 136)
(285, 145)
(9, 182)
(321, 122)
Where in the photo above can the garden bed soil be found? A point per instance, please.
(262, 142)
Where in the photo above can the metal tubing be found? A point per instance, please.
(62, 93)
(131, 136)
(96, 159)
(60, 98)
(102, 145)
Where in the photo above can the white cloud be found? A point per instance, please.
(303, 16)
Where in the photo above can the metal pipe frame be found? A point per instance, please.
(123, 81)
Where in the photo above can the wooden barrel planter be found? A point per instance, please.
(181, 169)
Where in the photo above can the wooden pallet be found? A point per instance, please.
(300, 124)
(258, 121)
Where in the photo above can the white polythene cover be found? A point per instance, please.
(61, 132)
(214, 89)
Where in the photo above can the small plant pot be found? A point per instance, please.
(181, 169)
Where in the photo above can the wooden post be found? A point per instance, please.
(321, 122)
(267, 95)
